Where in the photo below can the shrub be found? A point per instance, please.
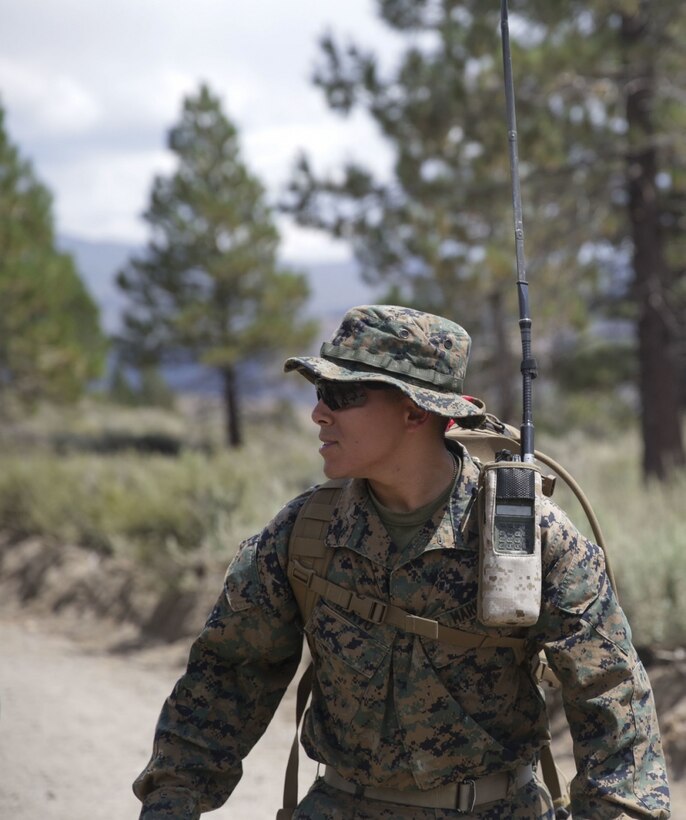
(152, 507)
(178, 517)
(642, 527)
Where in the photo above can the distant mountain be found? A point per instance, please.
(98, 264)
(335, 286)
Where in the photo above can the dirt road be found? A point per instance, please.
(76, 727)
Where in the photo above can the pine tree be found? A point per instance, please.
(208, 288)
(51, 344)
(599, 134)
(439, 233)
(614, 70)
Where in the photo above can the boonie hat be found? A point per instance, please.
(423, 355)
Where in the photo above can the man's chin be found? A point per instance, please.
(333, 472)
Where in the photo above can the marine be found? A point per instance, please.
(403, 723)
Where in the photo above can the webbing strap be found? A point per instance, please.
(306, 543)
(543, 673)
(290, 786)
(309, 547)
(554, 780)
(380, 612)
(320, 512)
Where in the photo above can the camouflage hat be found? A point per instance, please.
(423, 355)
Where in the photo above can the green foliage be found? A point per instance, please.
(51, 345)
(642, 526)
(90, 419)
(120, 390)
(186, 516)
(600, 366)
(151, 390)
(209, 287)
(602, 166)
(439, 234)
(594, 413)
(151, 508)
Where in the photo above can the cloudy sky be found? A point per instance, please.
(90, 89)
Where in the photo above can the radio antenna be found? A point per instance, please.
(528, 366)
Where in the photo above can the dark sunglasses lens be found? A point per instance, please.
(341, 395)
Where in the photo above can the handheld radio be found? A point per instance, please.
(510, 487)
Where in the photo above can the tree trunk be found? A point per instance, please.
(663, 446)
(234, 433)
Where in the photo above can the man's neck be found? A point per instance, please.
(410, 486)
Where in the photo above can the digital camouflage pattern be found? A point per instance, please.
(424, 355)
(399, 711)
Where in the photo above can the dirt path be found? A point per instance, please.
(76, 727)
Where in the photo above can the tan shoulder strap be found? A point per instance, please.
(308, 561)
(306, 543)
(556, 783)
(484, 442)
(290, 786)
(306, 547)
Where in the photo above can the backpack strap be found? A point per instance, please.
(556, 783)
(306, 547)
(308, 562)
(380, 612)
(290, 786)
(306, 544)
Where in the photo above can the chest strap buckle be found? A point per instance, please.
(370, 609)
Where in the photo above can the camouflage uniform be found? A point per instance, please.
(396, 710)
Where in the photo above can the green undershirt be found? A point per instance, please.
(404, 526)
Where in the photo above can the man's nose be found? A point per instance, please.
(321, 413)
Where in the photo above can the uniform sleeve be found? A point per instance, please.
(607, 697)
(238, 670)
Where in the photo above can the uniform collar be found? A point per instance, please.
(356, 524)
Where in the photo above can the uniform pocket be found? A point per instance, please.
(346, 659)
(494, 658)
(482, 680)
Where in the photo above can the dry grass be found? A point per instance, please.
(643, 527)
(167, 511)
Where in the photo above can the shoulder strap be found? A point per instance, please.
(290, 786)
(306, 548)
(556, 783)
(306, 544)
(308, 561)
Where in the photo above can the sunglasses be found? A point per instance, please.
(342, 395)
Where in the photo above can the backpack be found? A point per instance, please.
(308, 562)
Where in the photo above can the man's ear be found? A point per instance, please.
(415, 416)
